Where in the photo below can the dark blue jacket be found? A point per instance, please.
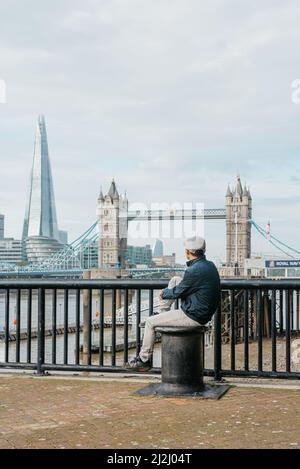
(199, 290)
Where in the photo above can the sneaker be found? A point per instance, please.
(136, 364)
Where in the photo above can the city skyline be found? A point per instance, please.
(172, 244)
(138, 104)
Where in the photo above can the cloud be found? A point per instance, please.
(172, 101)
(77, 20)
(17, 56)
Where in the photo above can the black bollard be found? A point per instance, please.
(182, 358)
(182, 351)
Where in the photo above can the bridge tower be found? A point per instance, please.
(238, 226)
(113, 226)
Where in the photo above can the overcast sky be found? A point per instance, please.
(171, 97)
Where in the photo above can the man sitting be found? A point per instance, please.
(199, 291)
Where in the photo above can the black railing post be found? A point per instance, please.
(7, 299)
(18, 324)
(232, 330)
(138, 320)
(126, 303)
(90, 327)
(292, 310)
(101, 329)
(113, 327)
(273, 331)
(297, 311)
(41, 331)
(281, 312)
(66, 325)
(86, 319)
(151, 302)
(29, 318)
(217, 344)
(259, 331)
(287, 331)
(54, 325)
(77, 327)
(246, 330)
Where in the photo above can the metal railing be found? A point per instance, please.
(92, 325)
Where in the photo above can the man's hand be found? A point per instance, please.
(161, 294)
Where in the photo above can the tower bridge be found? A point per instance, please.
(114, 216)
(184, 214)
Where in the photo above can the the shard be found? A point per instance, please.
(40, 230)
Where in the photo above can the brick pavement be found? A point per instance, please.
(75, 413)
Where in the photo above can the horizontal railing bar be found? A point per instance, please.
(154, 371)
(261, 374)
(110, 369)
(109, 284)
(29, 366)
(264, 284)
(149, 284)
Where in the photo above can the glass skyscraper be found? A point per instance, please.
(158, 248)
(41, 236)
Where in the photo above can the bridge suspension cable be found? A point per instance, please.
(78, 254)
(275, 241)
(68, 258)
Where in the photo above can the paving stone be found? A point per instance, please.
(70, 413)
